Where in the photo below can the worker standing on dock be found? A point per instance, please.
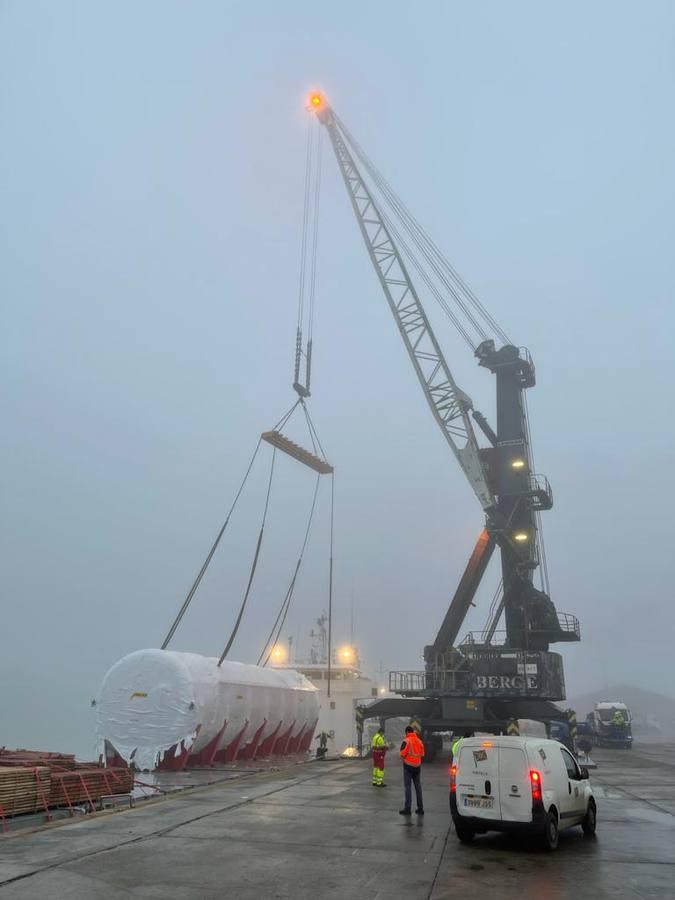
(322, 749)
(379, 749)
(412, 754)
(456, 745)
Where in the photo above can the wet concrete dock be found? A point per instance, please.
(323, 830)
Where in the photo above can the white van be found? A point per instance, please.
(519, 783)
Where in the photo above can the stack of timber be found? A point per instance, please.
(88, 785)
(24, 790)
(27, 758)
(34, 780)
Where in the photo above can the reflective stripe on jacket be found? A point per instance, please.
(412, 750)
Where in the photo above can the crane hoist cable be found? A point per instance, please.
(314, 248)
(308, 261)
(322, 467)
(193, 589)
(274, 635)
(317, 460)
(275, 631)
(209, 557)
(254, 564)
(306, 301)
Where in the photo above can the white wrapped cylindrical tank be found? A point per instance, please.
(164, 709)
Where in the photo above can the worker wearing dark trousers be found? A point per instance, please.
(412, 753)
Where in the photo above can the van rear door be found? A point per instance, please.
(477, 780)
(515, 789)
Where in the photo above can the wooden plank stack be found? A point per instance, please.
(24, 790)
(33, 779)
(28, 758)
(88, 785)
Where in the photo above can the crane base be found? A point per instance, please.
(492, 672)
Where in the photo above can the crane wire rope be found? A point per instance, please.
(254, 565)
(422, 237)
(438, 296)
(202, 571)
(315, 236)
(303, 249)
(284, 419)
(275, 631)
(308, 255)
(306, 298)
(313, 434)
(330, 581)
(309, 245)
(446, 273)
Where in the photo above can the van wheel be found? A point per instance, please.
(465, 835)
(589, 821)
(551, 831)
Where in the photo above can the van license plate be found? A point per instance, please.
(480, 802)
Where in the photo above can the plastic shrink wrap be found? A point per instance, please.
(164, 709)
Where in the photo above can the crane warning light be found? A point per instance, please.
(316, 101)
(518, 464)
(521, 536)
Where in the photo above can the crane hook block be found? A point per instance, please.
(281, 442)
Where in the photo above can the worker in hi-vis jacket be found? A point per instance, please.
(379, 747)
(412, 754)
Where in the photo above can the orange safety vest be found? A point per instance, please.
(412, 750)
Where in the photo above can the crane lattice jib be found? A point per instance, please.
(449, 405)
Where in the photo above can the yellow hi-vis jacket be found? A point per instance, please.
(379, 742)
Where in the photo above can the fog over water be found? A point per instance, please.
(151, 175)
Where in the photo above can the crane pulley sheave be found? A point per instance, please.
(450, 405)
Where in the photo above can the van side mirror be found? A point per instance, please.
(584, 773)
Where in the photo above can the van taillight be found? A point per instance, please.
(535, 782)
(453, 778)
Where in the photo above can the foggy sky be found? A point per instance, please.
(151, 173)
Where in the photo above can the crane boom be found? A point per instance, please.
(449, 405)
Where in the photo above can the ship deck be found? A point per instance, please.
(321, 829)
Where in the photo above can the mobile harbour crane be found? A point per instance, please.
(491, 678)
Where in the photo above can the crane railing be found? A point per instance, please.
(567, 623)
(407, 682)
